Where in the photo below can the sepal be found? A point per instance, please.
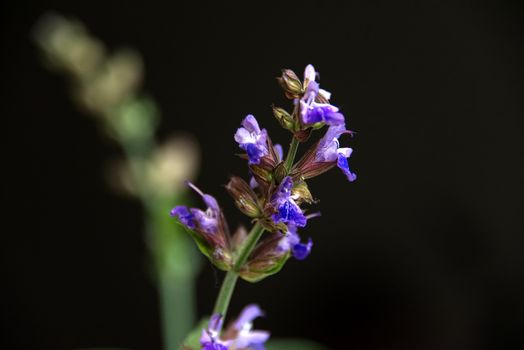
(280, 172)
(218, 256)
(308, 167)
(267, 259)
(303, 135)
(244, 197)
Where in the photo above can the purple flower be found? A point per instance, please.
(279, 152)
(313, 111)
(210, 336)
(299, 250)
(328, 150)
(280, 156)
(252, 139)
(291, 242)
(238, 336)
(287, 210)
(193, 218)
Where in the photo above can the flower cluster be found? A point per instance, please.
(277, 190)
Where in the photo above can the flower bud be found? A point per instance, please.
(291, 84)
(267, 259)
(261, 174)
(284, 118)
(309, 74)
(280, 172)
(238, 237)
(244, 197)
(301, 193)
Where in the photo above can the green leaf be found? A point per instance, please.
(192, 340)
(293, 344)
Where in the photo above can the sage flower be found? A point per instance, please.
(208, 228)
(252, 139)
(329, 150)
(291, 241)
(206, 221)
(287, 210)
(314, 106)
(238, 336)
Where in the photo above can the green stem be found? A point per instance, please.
(177, 304)
(226, 291)
(174, 263)
(292, 153)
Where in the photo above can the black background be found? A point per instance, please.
(423, 251)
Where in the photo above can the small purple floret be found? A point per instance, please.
(252, 139)
(184, 215)
(321, 113)
(292, 241)
(194, 218)
(247, 315)
(245, 338)
(301, 250)
(288, 211)
(329, 151)
(213, 346)
(279, 151)
(313, 112)
(342, 164)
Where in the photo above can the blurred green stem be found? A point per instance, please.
(226, 291)
(176, 265)
(175, 259)
(177, 307)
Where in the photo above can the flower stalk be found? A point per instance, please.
(273, 198)
(229, 283)
(228, 286)
(292, 154)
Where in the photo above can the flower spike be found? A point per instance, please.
(276, 192)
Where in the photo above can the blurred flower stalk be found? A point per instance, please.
(107, 87)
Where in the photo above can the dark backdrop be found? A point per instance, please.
(424, 251)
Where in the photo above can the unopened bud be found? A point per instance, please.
(290, 83)
(267, 259)
(301, 193)
(284, 118)
(309, 74)
(262, 175)
(245, 198)
(280, 172)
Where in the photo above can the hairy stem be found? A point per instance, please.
(292, 154)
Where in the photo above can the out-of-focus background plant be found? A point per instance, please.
(107, 85)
